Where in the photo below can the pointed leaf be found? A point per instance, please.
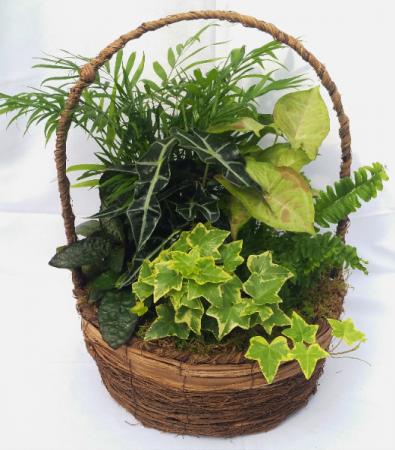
(307, 357)
(86, 167)
(116, 321)
(251, 308)
(185, 262)
(304, 119)
(209, 272)
(278, 318)
(116, 258)
(210, 291)
(263, 291)
(142, 290)
(166, 280)
(230, 255)
(263, 265)
(231, 291)
(238, 216)
(176, 296)
(283, 155)
(228, 318)
(87, 228)
(346, 330)
(243, 125)
(268, 355)
(192, 317)
(105, 281)
(300, 331)
(208, 241)
(165, 325)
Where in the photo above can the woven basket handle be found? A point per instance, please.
(87, 76)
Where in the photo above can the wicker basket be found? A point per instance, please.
(171, 390)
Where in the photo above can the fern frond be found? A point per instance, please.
(334, 204)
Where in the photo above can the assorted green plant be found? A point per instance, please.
(201, 230)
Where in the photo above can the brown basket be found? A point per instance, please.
(177, 391)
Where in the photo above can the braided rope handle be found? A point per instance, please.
(87, 77)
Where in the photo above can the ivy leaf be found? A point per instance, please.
(116, 322)
(300, 331)
(87, 228)
(210, 291)
(191, 316)
(346, 330)
(232, 290)
(106, 280)
(238, 216)
(154, 174)
(181, 245)
(263, 266)
(303, 118)
(210, 324)
(115, 259)
(185, 262)
(289, 203)
(142, 290)
(307, 357)
(283, 155)
(209, 272)
(263, 291)
(278, 318)
(230, 255)
(242, 125)
(166, 280)
(140, 309)
(146, 270)
(268, 355)
(81, 253)
(213, 150)
(165, 325)
(208, 241)
(176, 296)
(251, 308)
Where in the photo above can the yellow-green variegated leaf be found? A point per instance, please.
(232, 290)
(307, 357)
(210, 291)
(165, 325)
(166, 280)
(263, 265)
(300, 331)
(191, 316)
(208, 241)
(242, 125)
(209, 272)
(303, 118)
(263, 291)
(289, 197)
(185, 262)
(268, 355)
(346, 330)
(139, 309)
(283, 155)
(238, 216)
(181, 245)
(251, 308)
(176, 296)
(230, 255)
(278, 318)
(229, 317)
(142, 290)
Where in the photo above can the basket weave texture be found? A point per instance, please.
(178, 392)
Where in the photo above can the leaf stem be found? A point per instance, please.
(205, 176)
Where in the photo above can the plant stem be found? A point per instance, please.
(205, 176)
(275, 140)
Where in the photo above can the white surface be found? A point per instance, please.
(51, 396)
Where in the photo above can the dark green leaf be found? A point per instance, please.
(87, 228)
(116, 258)
(106, 280)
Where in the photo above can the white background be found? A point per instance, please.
(51, 396)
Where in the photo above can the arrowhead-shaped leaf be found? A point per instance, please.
(116, 321)
(209, 272)
(210, 291)
(300, 331)
(213, 150)
(81, 253)
(242, 125)
(346, 330)
(166, 280)
(278, 318)
(307, 357)
(283, 155)
(303, 118)
(154, 174)
(165, 325)
(208, 241)
(230, 255)
(268, 355)
(238, 215)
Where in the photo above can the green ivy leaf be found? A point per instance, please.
(283, 155)
(268, 355)
(346, 330)
(232, 290)
(181, 245)
(81, 253)
(176, 296)
(210, 291)
(191, 316)
(263, 291)
(140, 309)
(307, 357)
(106, 280)
(210, 324)
(116, 322)
(303, 118)
(208, 241)
(166, 280)
(300, 331)
(185, 262)
(142, 290)
(209, 272)
(242, 125)
(263, 266)
(278, 318)
(165, 325)
(251, 308)
(230, 255)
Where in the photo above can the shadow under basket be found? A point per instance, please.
(174, 391)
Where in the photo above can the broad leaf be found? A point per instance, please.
(165, 325)
(208, 241)
(115, 259)
(251, 308)
(166, 280)
(303, 118)
(268, 355)
(346, 330)
(229, 317)
(116, 321)
(154, 173)
(300, 331)
(209, 272)
(238, 216)
(210, 291)
(181, 245)
(87, 228)
(113, 229)
(307, 357)
(185, 262)
(106, 280)
(242, 125)
(213, 150)
(232, 290)
(283, 155)
(263, 291)
(262, 265)
(230, 255)
(278, 318)
(81, 253)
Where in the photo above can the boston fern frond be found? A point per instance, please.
(333, 205)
